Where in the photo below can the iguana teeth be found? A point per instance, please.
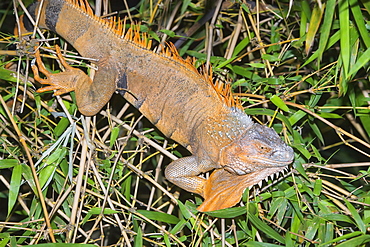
(260, 184)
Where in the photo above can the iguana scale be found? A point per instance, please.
(181, 102)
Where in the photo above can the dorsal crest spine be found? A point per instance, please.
(134, 35)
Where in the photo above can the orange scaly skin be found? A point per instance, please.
(178, 100)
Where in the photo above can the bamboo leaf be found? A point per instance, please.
(62, 245)
(341, 238)
(15, 184)
(356, 216)
(240, 46)
(159, 216)
(361, 62)
(228, 212)
(113, 136)
(8, 163)
(96, 211)
(357, 241)
(262, 226)
(326, 26)
(317, 132)
(305, 16)
(138, 238)
(344, 35)
(315, 21)
(279, 103)
(260, 244)
(360, 22)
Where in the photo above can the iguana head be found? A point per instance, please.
(258, 148)
(254, 156)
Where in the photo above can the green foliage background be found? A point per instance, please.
(300, 67)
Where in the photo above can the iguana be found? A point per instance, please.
(181, 102)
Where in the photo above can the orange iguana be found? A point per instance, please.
(181, 102)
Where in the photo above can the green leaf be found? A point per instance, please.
(298, 115)
(326, 26)
(361, 62)
(317, 187)
(185, 5)
(360, 22)
(179, 226)
(357, 241)
(97, 211)
(246, 72)
(138, 238)
(8, 163)
(27, 174)
(113, 136)
(341, 238)
(328, 115)
(337, 217)
(159, 216)
(154, 36)
(317, 132)
(356, 216)
(271, 58)
(278, 206)
(262, 226)
(224, 63)
(46, 175)
(366, 4)
(257, 65)
(168, 32)
(279, 103)
(240, 46)
(332, 40)
(15, 184)
(184, 210)
(61, 126)
(7, 75)
(314, 26)
(344, 34)
(51, 163)
(260, 244)
(62, 245)
(5, 239)
(312, 227)
(228, 212)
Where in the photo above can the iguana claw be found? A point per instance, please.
(62, 82)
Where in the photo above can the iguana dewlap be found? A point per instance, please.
(170, 92)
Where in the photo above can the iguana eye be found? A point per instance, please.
(264, 148)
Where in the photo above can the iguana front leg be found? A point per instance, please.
(62, 82)
(184, 173)
(91, 95)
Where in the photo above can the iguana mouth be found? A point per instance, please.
(256, 164)
(267, 162)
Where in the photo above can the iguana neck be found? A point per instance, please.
(220, 129)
